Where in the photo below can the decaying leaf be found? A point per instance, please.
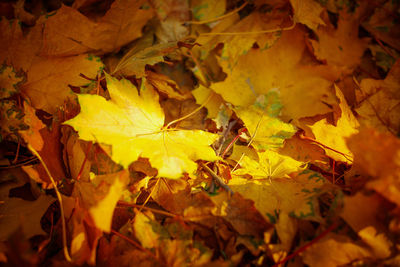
(9, 81)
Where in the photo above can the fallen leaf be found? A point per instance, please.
(334, 136)
(265, 129)
(334, 250)
(294, 196)
(100, 196)
(19, 50)
(50, 154)
(217, 109)
(9, 81)
(16, 212)
(379, 104)
(207, 9)
(341, 46)
(135, 60)
(301, 90)
(377, 155)
(382, 25)
(48, 79)
(69, 33)
(269, 165)
(32, 135)
(135, 128)
(307, 12)
(11, 120)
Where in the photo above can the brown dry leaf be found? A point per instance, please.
(48, 79)
(51, 154)
(240, 213)
(74, 155)
(176, 197)
(133, 63)
(303, 150)
(166, 85)
(379, 105)
(69, 33)
(383, 25)
(16, 212)
(17, 49)
(22, 15)
(175, 109)
(32, 135)
(377, 155)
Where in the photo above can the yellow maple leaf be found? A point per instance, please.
(133, 125)
(266, 131)
(270, 165)
(296, 196)
(302, 89)
(335, 136)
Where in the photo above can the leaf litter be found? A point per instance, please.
(199, 133)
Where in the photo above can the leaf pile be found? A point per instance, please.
(200, 133)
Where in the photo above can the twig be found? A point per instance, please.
(217, 179)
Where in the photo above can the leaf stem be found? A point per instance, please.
(64, 228)
(249, 33)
